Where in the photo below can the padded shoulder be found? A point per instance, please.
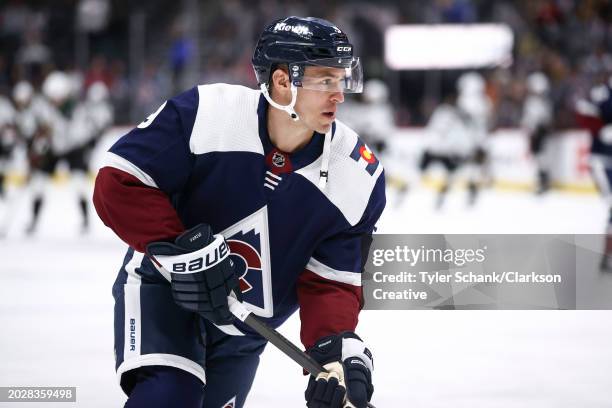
(353, 173)
(226, 120)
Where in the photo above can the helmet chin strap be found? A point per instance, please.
(287, 108)
(324, 170)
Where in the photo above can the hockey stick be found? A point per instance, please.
(288, 348)
(285, 346)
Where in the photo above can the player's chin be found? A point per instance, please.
(326, 122)
(324, 127)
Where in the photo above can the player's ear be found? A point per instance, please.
(280, 81)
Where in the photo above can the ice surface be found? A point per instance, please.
(56, 316)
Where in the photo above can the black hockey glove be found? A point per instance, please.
(201, 270)
(350, 366)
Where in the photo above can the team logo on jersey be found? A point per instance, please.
(246, 260)
(231, 403)
(362, 152)
(250, 251)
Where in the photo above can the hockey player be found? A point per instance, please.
(537, 121)
(58, 138)
(25, 118)
(98, 111)
(23, 126)
(50, 138)
(89, 120)
(457, 129)
(373, 118)
(475, 105)
(270, 174)
(447, 142)
(7, 138)
(595, 115)
(29, 125)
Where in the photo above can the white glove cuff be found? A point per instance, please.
(200, 260)
(356, 348)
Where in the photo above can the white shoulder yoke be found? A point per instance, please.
(226, 120)
(350, 184)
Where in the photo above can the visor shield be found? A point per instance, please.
(333, 75)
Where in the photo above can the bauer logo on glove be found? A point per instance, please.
(202, 273)
(215, 254)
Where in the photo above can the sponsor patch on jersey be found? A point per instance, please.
(361, 152)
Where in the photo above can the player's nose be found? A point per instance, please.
(337, 97)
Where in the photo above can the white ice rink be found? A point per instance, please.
(56, 317)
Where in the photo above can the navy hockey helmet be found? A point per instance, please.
(298, 42)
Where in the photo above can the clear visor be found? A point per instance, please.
(333, 75)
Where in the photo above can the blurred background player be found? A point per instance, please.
(97, 114)
(67, 131)
(456, 134)
(26, 119)
(50, 139)
(89, 120)
(371, 116)
(474, 103)
(23, 127)
(7, 139)
(447, 142)
(595, 115)
(537, 121)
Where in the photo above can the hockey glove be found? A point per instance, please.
(348, 382)
(202, 273)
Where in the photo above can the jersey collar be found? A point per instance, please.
(301, 158)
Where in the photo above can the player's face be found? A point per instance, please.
(316, 107)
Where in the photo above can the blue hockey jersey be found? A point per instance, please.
(205, 156)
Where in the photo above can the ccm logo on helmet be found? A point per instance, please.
(203, 262)
(343, 49)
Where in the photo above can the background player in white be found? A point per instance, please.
(274, 177)
(51, 137)
(373, 117)
(26, 125)
(457, 130)
(474, 102)
(66, 131)
(7, 138)
(88, 121)
(537, 121)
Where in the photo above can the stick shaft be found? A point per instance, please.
(284, 345)
(278, 340)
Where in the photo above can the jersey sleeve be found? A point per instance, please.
(329, 290)
(143, 170)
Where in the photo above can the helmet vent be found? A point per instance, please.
(321, 52)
